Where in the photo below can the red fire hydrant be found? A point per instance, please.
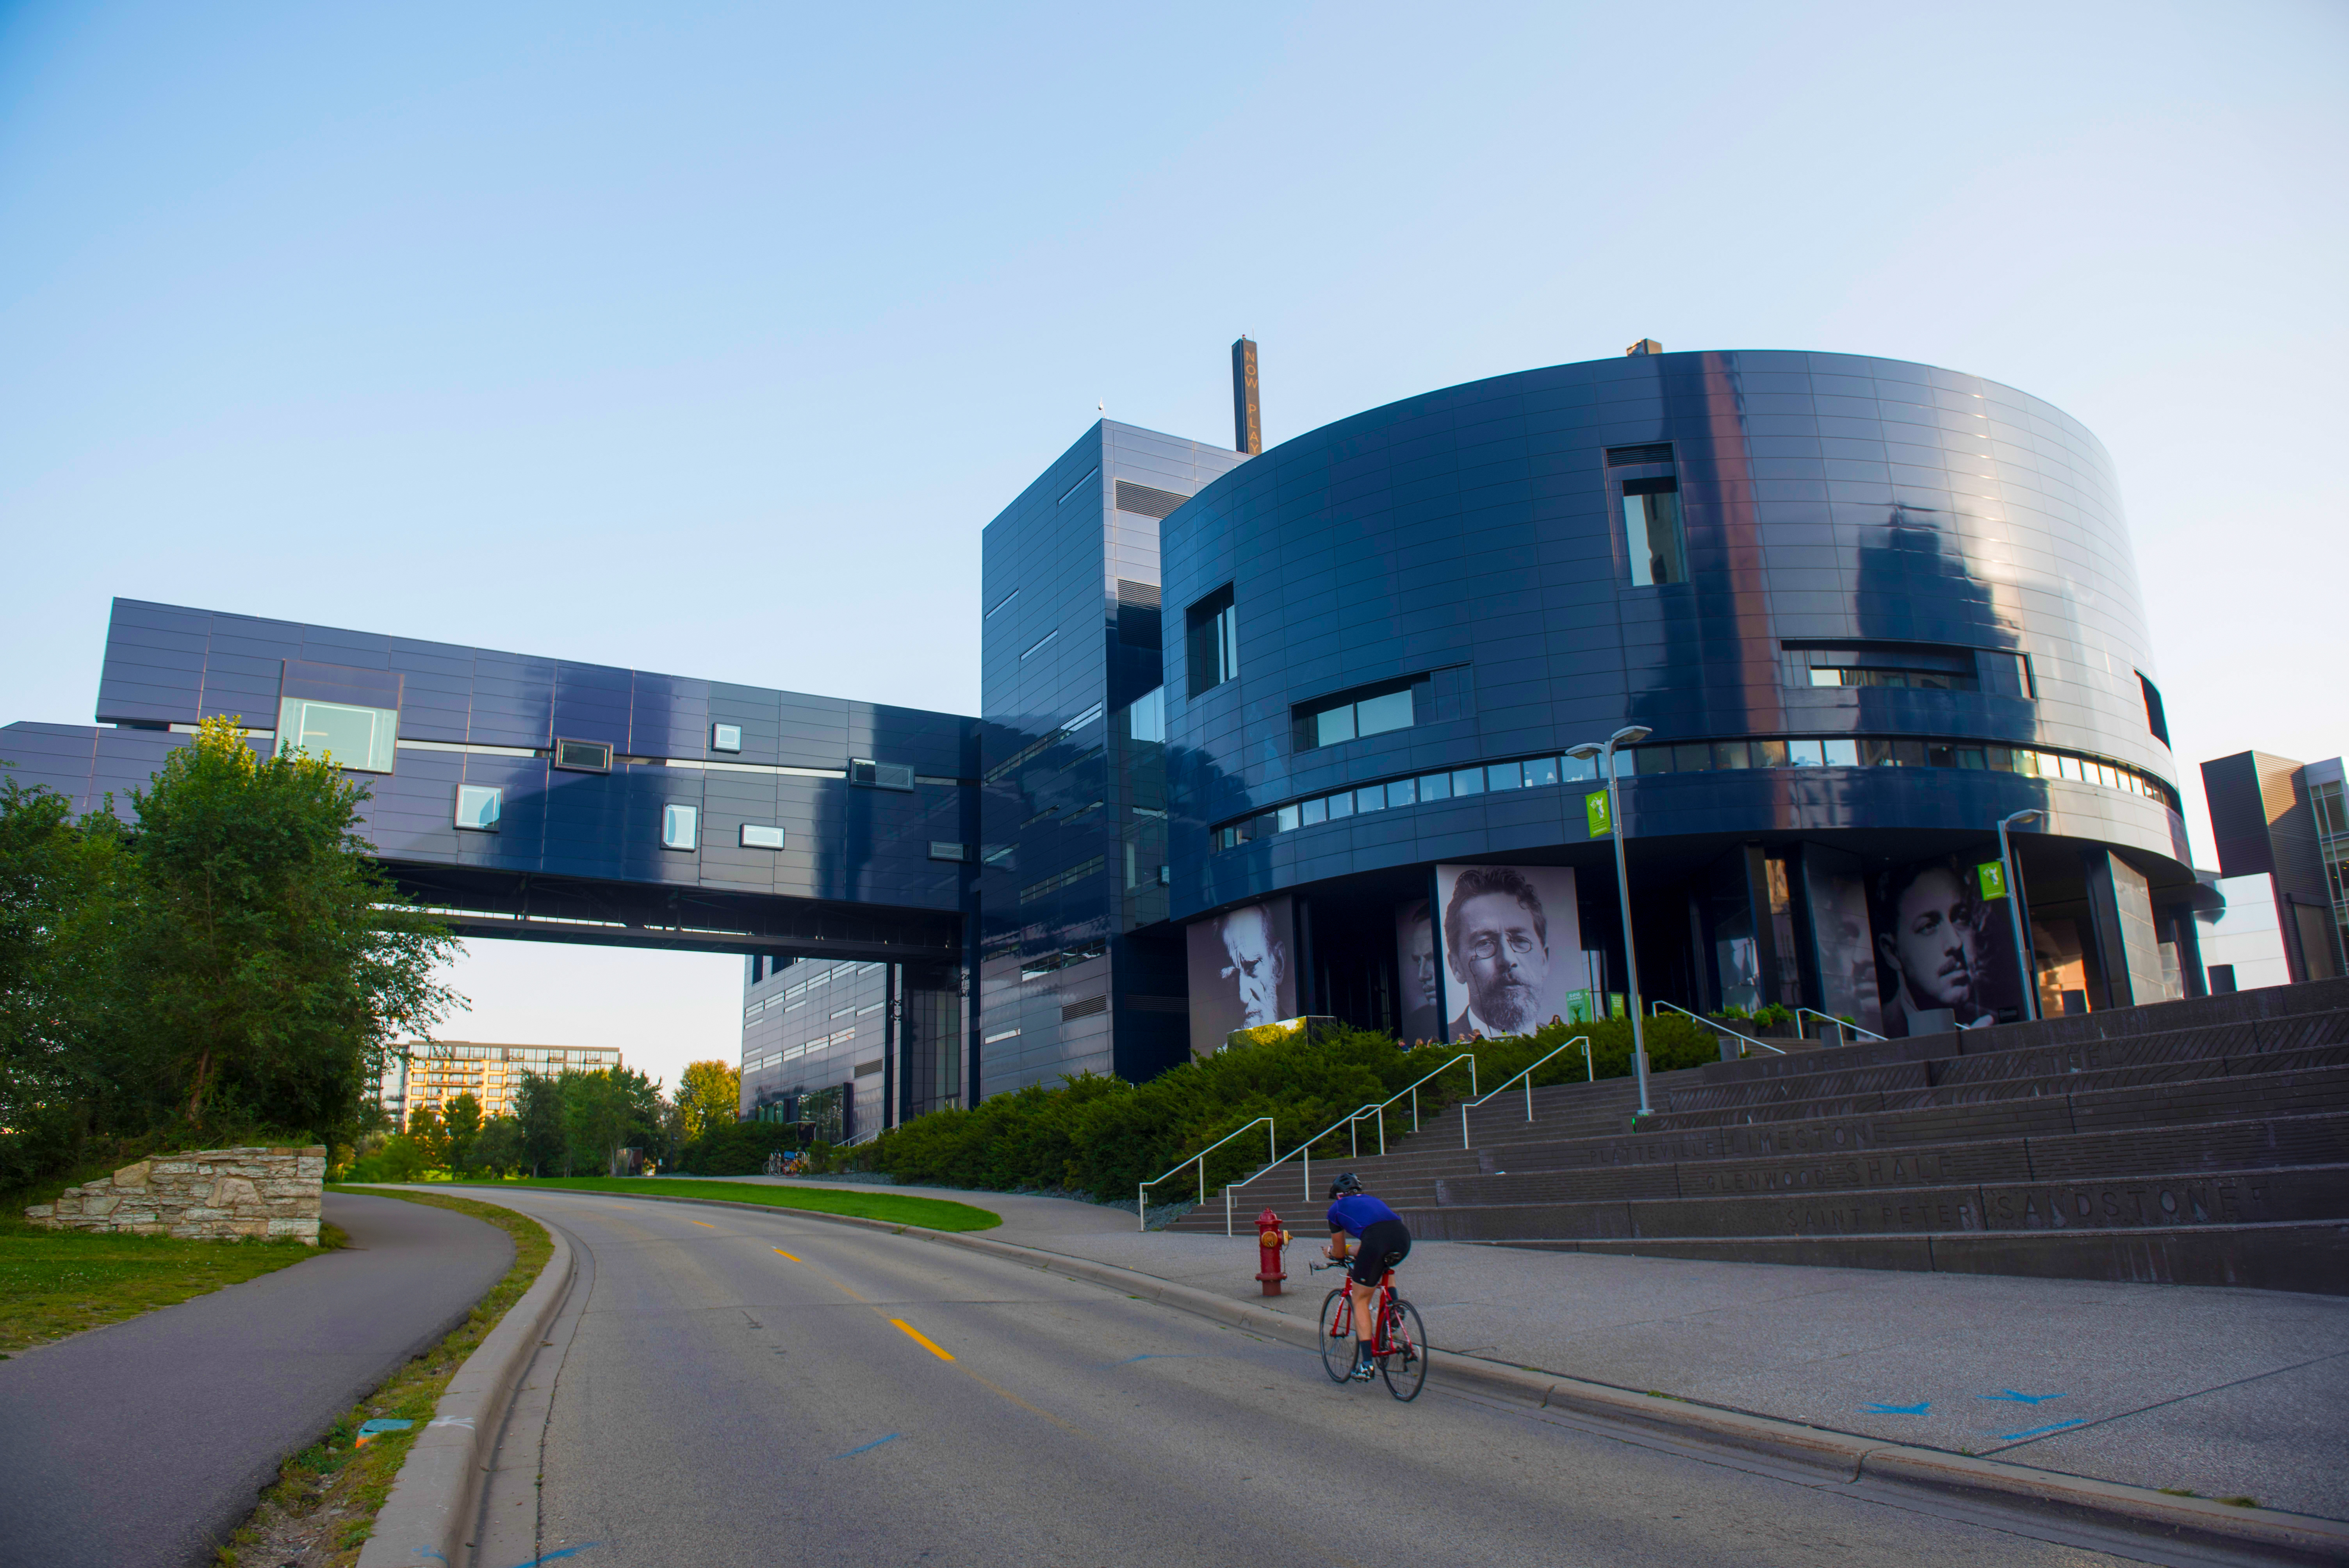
(1269, 1238)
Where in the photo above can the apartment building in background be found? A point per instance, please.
(441, 1071)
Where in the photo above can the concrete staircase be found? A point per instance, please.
(2204, 1142)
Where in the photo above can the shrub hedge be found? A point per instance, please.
(1103, 1135)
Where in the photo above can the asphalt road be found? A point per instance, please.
(144, 1443)
(727, 1388)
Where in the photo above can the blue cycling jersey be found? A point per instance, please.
(1356, 1210)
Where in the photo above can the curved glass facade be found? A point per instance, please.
(1864, 608)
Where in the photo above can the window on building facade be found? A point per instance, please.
(1331, 722)
(360, 739)
(681, 827)
(1212, 628)
(761, 836)
(477, 807)
(1653, 536)
(583, 755)
(880, 775)
(725, 738)
(2155, 719)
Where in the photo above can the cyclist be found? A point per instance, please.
(1380, 1235)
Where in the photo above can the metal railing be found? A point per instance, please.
(1352, 1121)
(1715, 1026)
(1141, 1189)
(1467, 1105)
(1845, 1025)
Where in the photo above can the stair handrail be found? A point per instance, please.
(1303, 1152)
(1467, 1105)
(1846, 1025)
(1141, 1189)
(1712, 1024)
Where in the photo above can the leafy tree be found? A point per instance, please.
(498, 1146)
(400, 1160)
(538, 1113)
(709, 1095)
(67, 1071)
(429, 1136)
(462, 1119)
(279, 965)
(609, 1110)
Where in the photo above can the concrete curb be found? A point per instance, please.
(430, 1514)
(1851, 1457)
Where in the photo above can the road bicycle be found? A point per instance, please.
(1399, 1347)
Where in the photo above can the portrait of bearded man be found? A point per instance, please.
(1496, 946)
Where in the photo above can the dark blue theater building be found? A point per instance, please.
(1266, 734)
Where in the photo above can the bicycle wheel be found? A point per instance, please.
(1405, 1366)
(1338, 1336)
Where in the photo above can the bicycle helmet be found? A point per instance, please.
(1348, 1182)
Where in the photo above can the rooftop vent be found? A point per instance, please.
(1645, 346)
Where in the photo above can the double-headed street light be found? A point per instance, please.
(2014, 908)
(1630, 735)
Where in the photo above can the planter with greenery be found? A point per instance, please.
(1101, 1136)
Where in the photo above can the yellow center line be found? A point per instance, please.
(923, 1340)
(705, 1225)
(918, 1338)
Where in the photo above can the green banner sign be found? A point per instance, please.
(1993, 879)
(1595, 805)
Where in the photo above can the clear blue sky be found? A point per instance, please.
(705, 339)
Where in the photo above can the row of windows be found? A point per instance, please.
(791, 993)
(840, 1038)
(366, 740)
(1331, 723)
(1691, 757)
(478, 807)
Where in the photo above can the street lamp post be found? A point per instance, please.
(2014, 908)
(1630, 735)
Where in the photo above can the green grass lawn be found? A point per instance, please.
(934, 1213)
(56, 1283)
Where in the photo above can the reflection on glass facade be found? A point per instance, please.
(1864, 609)
(1077, 968)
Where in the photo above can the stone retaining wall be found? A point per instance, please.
(204, 1194)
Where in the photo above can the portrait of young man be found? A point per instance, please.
(1931, 949)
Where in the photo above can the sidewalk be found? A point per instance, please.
(2221, 1392)
(144, 1443)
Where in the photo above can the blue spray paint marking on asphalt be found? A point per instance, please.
(2043, 1432)
(1153, 1355)
(552, 1556)
(2011, 1397)
(1918, 1410)
(868, 1448)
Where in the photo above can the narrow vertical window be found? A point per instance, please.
(1213, 634)
(1651, 533)
(681, 827)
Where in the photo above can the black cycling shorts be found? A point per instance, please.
(1380, 1238)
